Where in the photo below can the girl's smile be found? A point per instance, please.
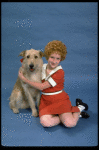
(53, 61)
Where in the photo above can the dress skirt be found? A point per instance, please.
(56, 104)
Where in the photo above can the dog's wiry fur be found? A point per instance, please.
(24, 96)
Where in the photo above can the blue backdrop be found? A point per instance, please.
(33, 25)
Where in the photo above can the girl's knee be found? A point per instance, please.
(68, 120)
(45, 122)
(69, 124)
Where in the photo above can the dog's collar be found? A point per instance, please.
(21, 60)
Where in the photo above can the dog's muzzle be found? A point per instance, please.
(31, 67)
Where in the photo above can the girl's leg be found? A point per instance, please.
(76, 115)
(69, 119)
(49, 120)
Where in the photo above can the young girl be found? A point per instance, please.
(55, 106)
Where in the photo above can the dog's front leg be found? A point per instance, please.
(38, 99)
(32, 104)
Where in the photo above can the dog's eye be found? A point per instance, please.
(28, 56)
(35, 57)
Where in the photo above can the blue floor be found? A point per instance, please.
(33, 25)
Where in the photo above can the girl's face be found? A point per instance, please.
(54, 60)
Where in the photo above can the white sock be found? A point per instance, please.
(81, 107)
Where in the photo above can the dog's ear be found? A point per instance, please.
(22, 53)
(41, 54)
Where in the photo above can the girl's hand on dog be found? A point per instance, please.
(22, 77)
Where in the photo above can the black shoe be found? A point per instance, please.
(79, 102)
(84, 115)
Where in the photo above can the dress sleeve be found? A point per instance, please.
(56, 78)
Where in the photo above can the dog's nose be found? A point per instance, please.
(31, 66)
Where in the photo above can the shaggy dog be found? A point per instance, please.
(23, 95)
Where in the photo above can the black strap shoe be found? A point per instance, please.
(84, 115)
(79, 102)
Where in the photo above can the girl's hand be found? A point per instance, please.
(22, 77)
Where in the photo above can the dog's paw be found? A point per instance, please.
(35, 113)
(15, 110)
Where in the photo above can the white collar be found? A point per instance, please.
(52, 72)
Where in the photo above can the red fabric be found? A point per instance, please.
(58, 77)
(59, 103)
(21, 60)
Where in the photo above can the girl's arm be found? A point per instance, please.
(39, 86)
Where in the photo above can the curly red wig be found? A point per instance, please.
(55, 46)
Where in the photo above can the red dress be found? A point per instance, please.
(50, 102)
